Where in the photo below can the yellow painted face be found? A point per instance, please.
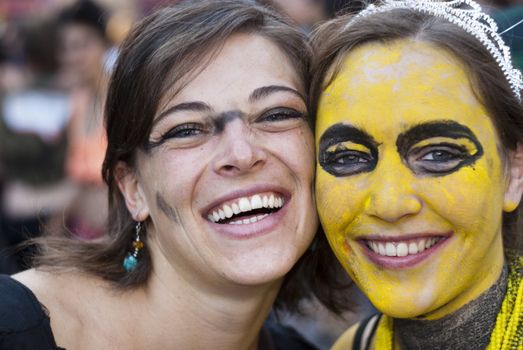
(410, 179)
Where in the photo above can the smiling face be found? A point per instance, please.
(410, 182)
(227, 175)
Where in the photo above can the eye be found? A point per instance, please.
(279, 119)
(440, 156)
(184, 131)
(345, 162)
(181, 136)
(438, 159)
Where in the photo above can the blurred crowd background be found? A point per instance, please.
(55, 60)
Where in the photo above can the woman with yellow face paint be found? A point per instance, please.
(419, 139)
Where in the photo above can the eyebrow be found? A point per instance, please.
(195, 106)
(265, 91)
(442, 128)
(199, 106)
(343, 132)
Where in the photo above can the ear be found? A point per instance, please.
(131, 190)
(515, 180)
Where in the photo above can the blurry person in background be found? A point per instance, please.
(32, 146)
(84, 48)
(304, 13)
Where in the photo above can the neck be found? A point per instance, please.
(178, 315)
(467, 328)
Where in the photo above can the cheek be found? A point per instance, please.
(470, 199)
(339, 202)
(296, 151)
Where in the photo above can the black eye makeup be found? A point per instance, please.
(345, 150)
(181, 135)
(438, 148)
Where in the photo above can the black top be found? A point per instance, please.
(25, 324)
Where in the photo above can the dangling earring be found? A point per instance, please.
(131, 260)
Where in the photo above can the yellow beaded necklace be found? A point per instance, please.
(508, 331)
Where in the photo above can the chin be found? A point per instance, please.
(262, 270)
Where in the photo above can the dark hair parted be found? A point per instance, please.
(334, 40)
(157, 59)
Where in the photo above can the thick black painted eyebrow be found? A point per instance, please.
(265, 91)
(443, 128)
(343, 132)
(194, 106)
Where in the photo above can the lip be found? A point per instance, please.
(256, 229)
(400, 262)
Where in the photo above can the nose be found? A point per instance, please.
(240, 150)
(392, 196)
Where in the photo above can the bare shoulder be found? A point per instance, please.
(65, 296)
(49, 287)
(346, 340)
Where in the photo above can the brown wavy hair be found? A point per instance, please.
(158, 58)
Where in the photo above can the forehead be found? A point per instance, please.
(396, 85)
(244, 63)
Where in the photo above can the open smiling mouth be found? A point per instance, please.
(246, 210)
(403, 248)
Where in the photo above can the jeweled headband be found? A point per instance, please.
(467, 15)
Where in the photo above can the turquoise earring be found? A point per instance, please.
(131, 260)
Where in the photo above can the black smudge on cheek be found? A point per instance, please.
(169, 211)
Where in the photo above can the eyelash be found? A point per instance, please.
(454, 157)
(184, 131)
(335, 162)
(279, 115)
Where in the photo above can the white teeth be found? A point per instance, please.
(244, 204)
(256, 202)
(235, 208)
(381, 249)
(228, 211)
(271, 201)
(390, 249)
(421, 245)
(401, 248)
(413, 248)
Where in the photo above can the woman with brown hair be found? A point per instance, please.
(210, 172)
(419, 135)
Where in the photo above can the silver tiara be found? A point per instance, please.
(467, 15)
